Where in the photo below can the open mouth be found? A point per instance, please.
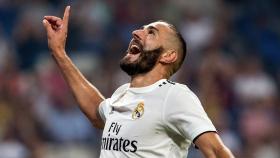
(135, 47)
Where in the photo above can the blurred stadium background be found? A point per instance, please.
(233, 65)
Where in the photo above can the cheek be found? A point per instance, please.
(151, 45)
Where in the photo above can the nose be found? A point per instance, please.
(137, 34)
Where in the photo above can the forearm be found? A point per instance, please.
(87, 96)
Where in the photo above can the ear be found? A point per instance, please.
(168, 57)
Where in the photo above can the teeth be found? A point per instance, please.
(134, 46)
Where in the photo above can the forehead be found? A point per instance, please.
(160, 25)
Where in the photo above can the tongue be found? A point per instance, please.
(134, 50)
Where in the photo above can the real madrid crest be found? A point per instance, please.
(138, 111)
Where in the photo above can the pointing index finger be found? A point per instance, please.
(66, 15)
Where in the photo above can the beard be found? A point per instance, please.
(145, 62)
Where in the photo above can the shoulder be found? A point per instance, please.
(121, 89)
(181, 93)
(179, 88)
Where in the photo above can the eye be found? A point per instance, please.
(151, 31)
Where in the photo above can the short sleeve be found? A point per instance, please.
(184, 114)
(104, 109)
(105, 106)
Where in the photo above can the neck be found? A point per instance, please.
(142, 80)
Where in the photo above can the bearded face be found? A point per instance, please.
(138, 60)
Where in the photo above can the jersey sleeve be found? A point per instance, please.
(104, 109)
(105, 106)
(184, 114)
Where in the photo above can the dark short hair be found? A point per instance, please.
(183, 46)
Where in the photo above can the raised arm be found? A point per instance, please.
(87, 96)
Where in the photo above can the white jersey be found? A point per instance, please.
(157, 121)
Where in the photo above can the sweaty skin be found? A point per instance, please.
(89, 97)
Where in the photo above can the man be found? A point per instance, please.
(151, 117)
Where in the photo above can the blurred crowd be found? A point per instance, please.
(232, 64)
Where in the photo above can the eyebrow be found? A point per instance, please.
(150, 27)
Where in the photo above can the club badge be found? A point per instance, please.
(138, 111)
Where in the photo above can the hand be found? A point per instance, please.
(57, 31)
